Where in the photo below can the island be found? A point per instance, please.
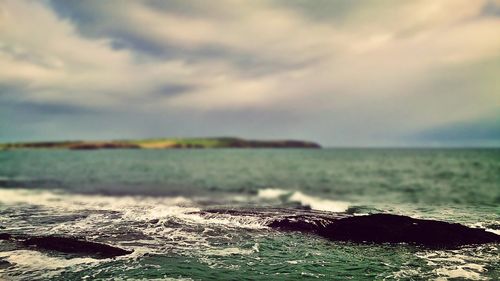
(163, 143)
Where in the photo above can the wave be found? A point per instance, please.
(272, 193)
(141, 221)
(73, 202)
(319, 204)
(36, 263)
(467, 264)
(304, 200)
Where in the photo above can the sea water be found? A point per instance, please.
(147, 201)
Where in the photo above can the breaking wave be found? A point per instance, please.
(304, 200)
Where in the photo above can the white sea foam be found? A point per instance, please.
(73, 202)
(232, 251)
(32, 261)
(463, 263)
(448, 265)
(305, 200)
(482, 225)
(145, 225)
(129, 208)
(37, 260)
(318, 203)
(154, 279)
(272, 193)
(133, 208)
(168, 223)
(459, 272)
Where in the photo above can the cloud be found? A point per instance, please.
(484, 131)
(337, 71)
(491, 8)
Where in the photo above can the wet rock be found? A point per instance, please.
(375, 228)
(4, 264)
(387, 228)
(154, 221)
(67, 245)
(71, 245)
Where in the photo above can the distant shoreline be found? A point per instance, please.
(163, 143)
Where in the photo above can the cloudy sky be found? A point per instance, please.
(343, 73)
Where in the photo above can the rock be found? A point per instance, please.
(375, 228)
(387, 228)
(154, 221)
(71, 245)
(4, 264)
(68, 245)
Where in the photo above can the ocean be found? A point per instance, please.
(149, 201)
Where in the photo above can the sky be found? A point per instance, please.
(342, 73)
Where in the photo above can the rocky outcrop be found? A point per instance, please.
(4, 264)
(375, 228)
(66, 245)
(387, 228)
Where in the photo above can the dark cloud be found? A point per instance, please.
(108, 19)
(47, 108)
(174, 89)
(13, 99)
(338, 72)
(322, 10)
(37, 125)
(482, 131)
(29, 57)
(491, 8)
(10, 90)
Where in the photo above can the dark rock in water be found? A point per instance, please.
(380, 228)
(154, 221)
(75, 246)
(387, 228)
(4, 264)
(68, 245)
(375, 228)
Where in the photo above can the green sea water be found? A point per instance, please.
(146, 200)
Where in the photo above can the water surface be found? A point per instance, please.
(144, 200)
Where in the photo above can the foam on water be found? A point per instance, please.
(272, 193)
(71, 202)
(466, 263)
(232, 251)
(154, 279)
(134, 208)
(304, 200)
(147, 225)
(35, 262)
(319, 204)
(152, 224)
(173, 226)
(170, 240)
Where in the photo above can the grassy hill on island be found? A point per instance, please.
(164, 143)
